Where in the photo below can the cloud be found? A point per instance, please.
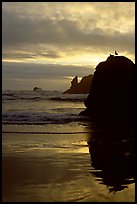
(39, 71)
(20, 54)
(17, 30)
(100, 31)
(25, 76)
(50, 37)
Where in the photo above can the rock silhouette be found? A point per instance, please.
(37, 89)
(83, 87)
(116, 53)
(112, 158)
(112, 93)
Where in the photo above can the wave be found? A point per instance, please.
(38, 98)
(80, 99)
(44, 132)
(45, 145)
(44, 95)
(39, 118)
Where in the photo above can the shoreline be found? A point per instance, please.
(53, 168)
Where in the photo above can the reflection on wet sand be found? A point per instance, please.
(113, 158)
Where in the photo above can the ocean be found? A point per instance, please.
(50, 153)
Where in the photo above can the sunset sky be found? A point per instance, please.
(46, 44)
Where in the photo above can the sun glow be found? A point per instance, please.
(63, 35)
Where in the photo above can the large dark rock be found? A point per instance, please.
(83, 87)
(112, 93)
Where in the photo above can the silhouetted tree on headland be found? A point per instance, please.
(112, 93)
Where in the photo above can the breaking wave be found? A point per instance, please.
(39, 118)
(44, 95)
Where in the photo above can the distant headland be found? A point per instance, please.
(82, 87)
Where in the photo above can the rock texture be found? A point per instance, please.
(112, 93)
(83, 87)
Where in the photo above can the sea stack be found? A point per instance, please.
(112, 93)
(37, 89)
(82, 87)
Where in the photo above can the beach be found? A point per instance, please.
(50, 154)
(53, 168)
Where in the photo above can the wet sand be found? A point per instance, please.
(63, 173)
